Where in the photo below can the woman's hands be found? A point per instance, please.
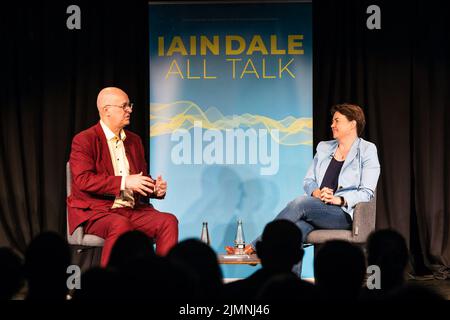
(327, 196)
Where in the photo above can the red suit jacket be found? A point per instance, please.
(94, 185)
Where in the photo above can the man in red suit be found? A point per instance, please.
(110, 184)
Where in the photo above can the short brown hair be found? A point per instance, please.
(351, 112)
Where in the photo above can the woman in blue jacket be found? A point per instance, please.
(343, 173)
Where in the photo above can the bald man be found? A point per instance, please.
(110, 184)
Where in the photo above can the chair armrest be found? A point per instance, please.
(364, 217)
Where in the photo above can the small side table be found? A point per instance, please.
(251, 259)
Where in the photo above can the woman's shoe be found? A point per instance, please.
(249, 250)
(229, 249)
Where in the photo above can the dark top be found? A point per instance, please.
(331, 177)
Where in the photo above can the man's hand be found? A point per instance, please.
(327, 196)
(160, 186)
(139, 183)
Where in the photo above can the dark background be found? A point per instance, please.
(50, 77)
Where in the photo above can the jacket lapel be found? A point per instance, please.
(130, 155)
(352, 154)
(104, 149)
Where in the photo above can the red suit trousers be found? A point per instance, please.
(161, 226)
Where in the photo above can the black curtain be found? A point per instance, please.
(399, 74)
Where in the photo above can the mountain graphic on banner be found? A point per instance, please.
(168, 117)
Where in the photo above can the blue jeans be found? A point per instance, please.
(310, 213)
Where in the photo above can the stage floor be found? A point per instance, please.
(441, 286)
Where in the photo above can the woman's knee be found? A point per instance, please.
(300, 201)
(294, 209)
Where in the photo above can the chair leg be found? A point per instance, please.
(86, 257)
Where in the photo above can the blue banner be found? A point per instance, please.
(230, 114)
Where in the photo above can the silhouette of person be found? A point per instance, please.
(386, 249)
(339, 270)
(287, 287)
(11, 273)
(99, 284)
(46, 261)
(129, 246)
(279, 250)
(155, 278)
(414, 292)
(202, 261)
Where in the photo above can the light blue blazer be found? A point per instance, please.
(359, 174)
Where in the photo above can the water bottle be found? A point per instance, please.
(239, 242)
(205, 234)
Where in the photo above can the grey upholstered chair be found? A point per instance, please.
(78, 237)
(363, 224)
(86, 248)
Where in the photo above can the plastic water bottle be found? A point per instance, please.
(205, 234)
(239, 241)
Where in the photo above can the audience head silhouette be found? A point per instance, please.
(11, 276)
(201, 260)
(339, 270)
(191, 271)
(130, 246)
(280, 247)
(99, 284)
(157, 279)
(46, 262)
(287, 287)
(387, 249)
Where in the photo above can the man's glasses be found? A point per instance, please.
(123, 106)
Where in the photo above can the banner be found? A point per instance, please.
(230, 114)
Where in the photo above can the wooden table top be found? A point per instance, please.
(238, 259)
